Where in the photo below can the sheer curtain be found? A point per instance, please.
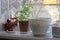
(45, 8)
(39, 10)
(3, 12)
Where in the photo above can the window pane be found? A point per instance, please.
(48, 11)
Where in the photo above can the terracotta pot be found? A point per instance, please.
(24, 26)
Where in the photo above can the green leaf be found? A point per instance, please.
(25, 12)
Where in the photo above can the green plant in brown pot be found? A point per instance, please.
(23, 16)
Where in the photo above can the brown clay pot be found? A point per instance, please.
(24, 26)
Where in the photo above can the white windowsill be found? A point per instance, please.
(17, 35)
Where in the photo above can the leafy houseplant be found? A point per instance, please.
(23, 16)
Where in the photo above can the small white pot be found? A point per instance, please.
(39, 26)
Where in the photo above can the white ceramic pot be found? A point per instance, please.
(39, 26)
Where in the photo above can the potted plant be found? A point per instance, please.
(10, 24)
(23, 16)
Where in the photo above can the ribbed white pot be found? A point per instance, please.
(39, 26)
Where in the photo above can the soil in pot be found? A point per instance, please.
(24, 26)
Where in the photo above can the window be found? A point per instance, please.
(45, 8)
(52, 10)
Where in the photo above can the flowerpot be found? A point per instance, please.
(39, 26)
(24, 26)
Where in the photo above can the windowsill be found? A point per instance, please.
(17, 35)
